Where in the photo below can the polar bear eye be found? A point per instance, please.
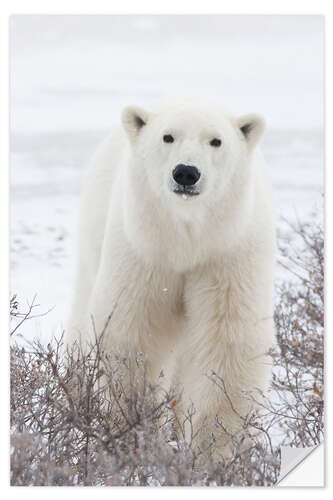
(216, 143)
(168, 138)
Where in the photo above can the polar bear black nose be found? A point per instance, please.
(186, 175)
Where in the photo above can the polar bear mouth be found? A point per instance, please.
(185, 190)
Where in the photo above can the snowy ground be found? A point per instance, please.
(70, 78)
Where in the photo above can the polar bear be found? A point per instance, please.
(177, 241)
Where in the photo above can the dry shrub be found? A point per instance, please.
(74, 422)
(78, 420)
(298, 378)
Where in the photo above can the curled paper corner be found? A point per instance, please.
(291, 458)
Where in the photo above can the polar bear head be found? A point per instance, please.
(190, 154)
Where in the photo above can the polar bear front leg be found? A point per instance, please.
(118, 308)
(136, 306)
(229, 331)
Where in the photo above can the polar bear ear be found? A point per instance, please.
(252, 127)
(134, 119)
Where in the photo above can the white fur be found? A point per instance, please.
(189, 281)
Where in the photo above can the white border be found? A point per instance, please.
(135, 7)
(291, 7)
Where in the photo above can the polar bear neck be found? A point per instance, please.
(159, 236)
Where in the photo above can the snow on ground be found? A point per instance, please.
(70, 78)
